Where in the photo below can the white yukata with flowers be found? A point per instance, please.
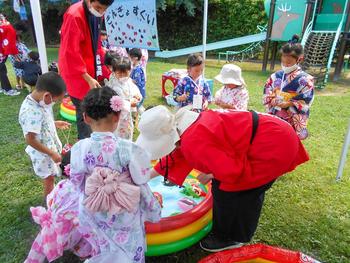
(126, 91)
(39, 120)
(237, 97)
(121, 234)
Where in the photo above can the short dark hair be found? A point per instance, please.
(122, 64)
(51, 82)
(104, 2)
(135, 53)
(194, 60)
(293, 48)
(33, 55)
(96, 103)
(110, 55)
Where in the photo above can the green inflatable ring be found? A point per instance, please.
(159, 250)
(68, 117)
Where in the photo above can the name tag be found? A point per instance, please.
(197, 102)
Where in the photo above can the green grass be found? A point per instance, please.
(306, 210)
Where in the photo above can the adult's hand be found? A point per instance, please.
(93, 83)
(204, 178)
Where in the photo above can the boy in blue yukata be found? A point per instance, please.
(138, 73)
(193, 89)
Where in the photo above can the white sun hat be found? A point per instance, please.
(158, 133)
(184, 119)
(230, 74)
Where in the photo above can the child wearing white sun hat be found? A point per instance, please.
(234, 94)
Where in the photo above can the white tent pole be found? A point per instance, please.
(205, 26)
(343, 154)
(39, 33)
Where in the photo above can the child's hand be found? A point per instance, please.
(63, 125)
(204, 178)
(181, 98)
(205, 105)
(284, 105)
(133, 102)
(57, 158)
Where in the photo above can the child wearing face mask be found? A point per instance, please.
(39, 127)
(121, 83)
(193, 89)
(288, 93)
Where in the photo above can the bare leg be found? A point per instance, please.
(48, 185)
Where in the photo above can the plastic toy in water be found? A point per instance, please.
(199, 191)
(186, 216)
(258, 253)
(159, 198)
(186, 204)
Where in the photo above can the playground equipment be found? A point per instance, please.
(213, 46)
(186, 216)
(258, 253)
(323, 23)
(248, 51)
(322, 36)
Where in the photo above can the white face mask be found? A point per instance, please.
(123, 80)
(44, 105)
(290, 69)
(94, 12)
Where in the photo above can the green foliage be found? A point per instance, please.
(226, 19)
(180, 22)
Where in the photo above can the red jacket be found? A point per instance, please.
(219, 143)
(8, 40)
(76, 53)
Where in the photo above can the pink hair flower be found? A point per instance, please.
(116, 103)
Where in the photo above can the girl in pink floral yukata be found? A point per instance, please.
(112, 199)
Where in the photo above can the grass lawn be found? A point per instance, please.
(305, 210)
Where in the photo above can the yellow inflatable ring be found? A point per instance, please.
(180, 233)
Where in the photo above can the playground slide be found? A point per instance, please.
(212, 46)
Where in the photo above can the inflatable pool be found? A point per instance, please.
(186, 216)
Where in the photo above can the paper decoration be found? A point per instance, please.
(132, 24)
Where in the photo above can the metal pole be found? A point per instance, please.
(273, 55)
(39, 33)
(205, 27)
(309, 11)
(342, 49)
(343, 154)
(268, 34)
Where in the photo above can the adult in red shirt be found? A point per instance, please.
(241, 152)
(7, 47)
(78, 57)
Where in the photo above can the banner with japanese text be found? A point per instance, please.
(132, 24)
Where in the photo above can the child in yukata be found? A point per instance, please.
(193, 89)
(288, 93)
(121, 83)
(103, 206)
(31, 69)
(234, 94)
(39, 127)
(138, 73)
(22, 56)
